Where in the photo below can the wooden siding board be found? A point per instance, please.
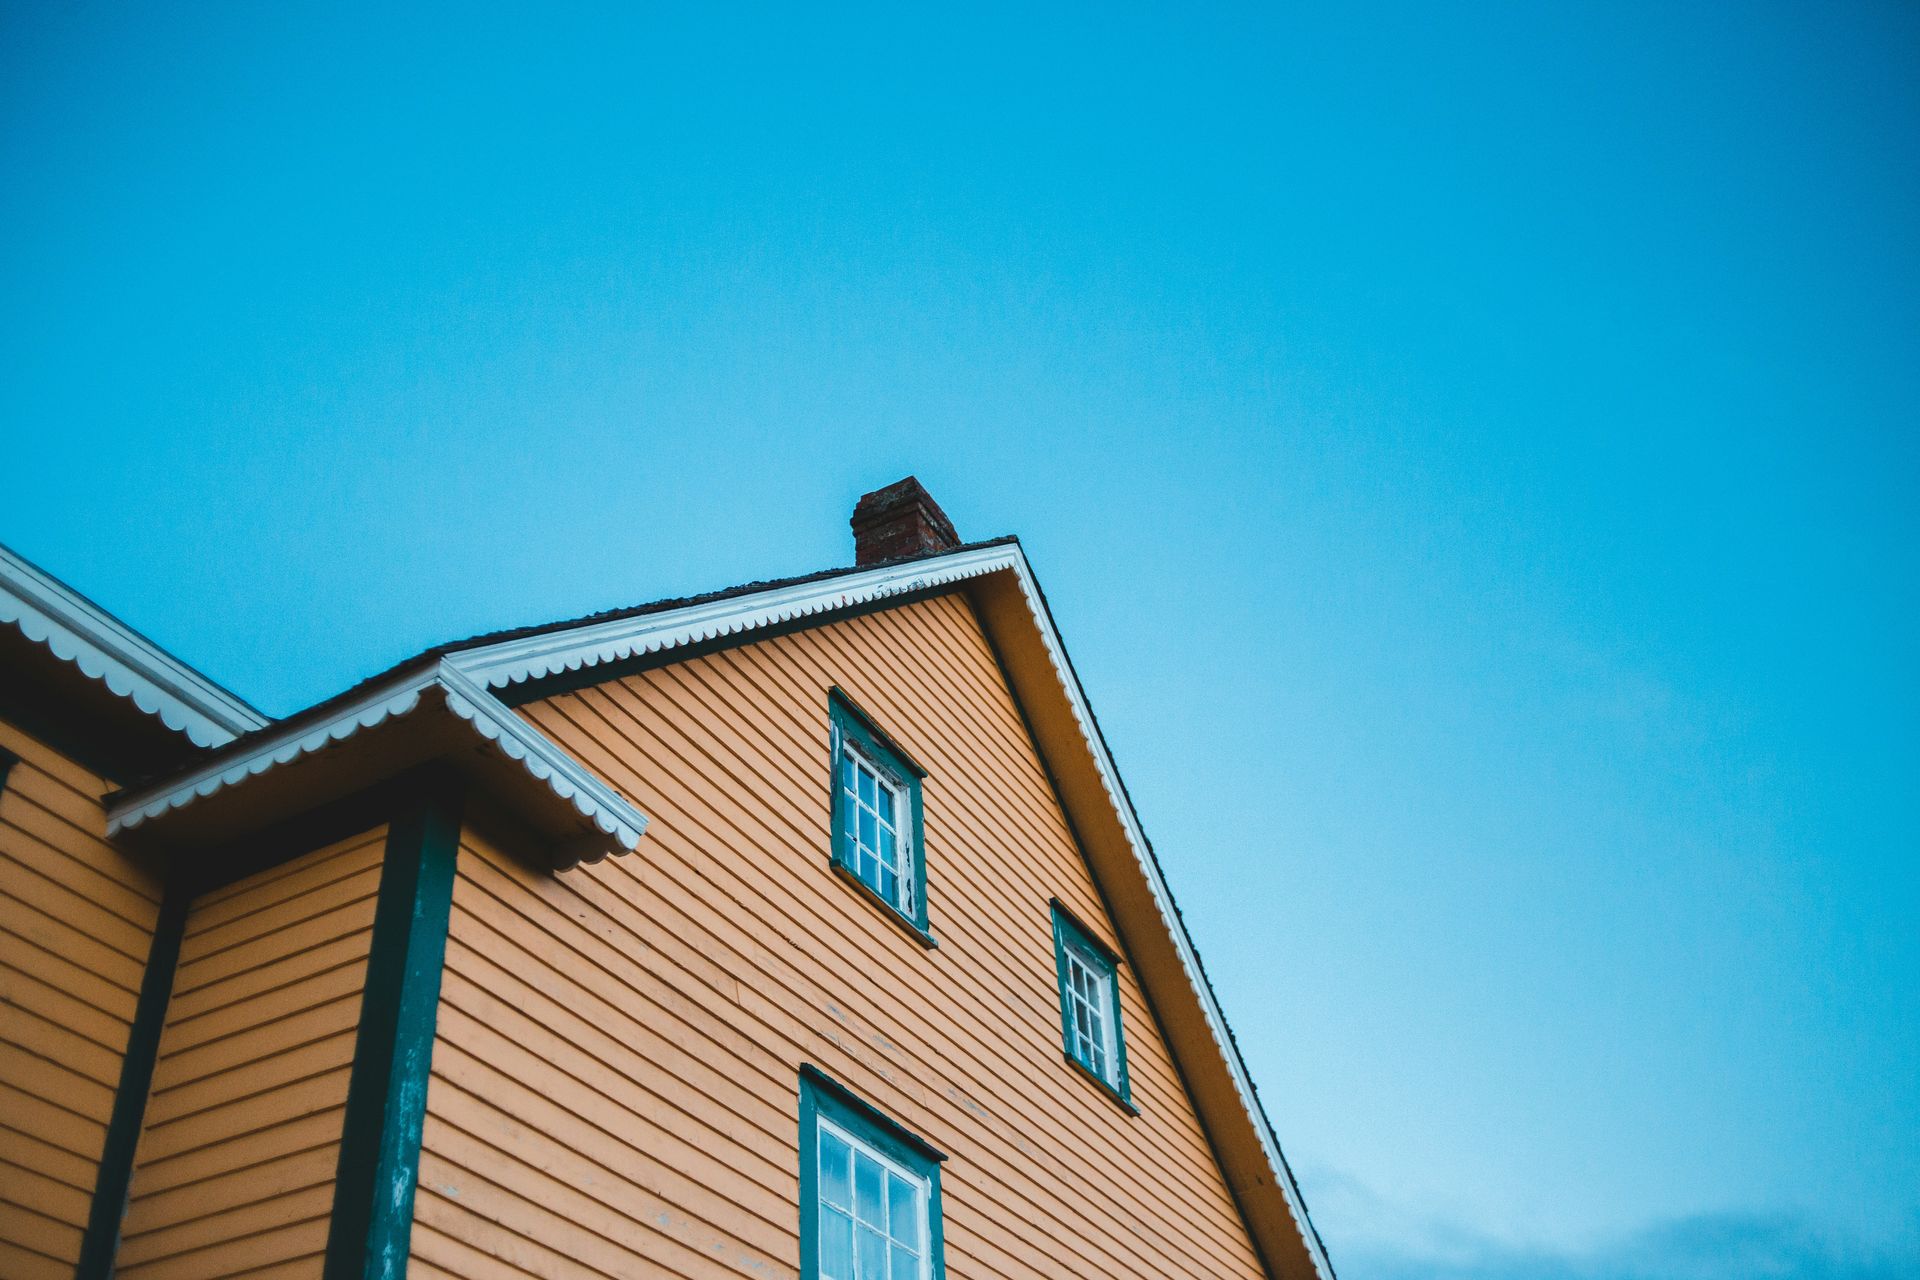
(24, 1150)
(58, 852)
(44, 996)
(305, 1133)
(18, 1262)
(246, 1115)
(342, 950)
(250, 1078)
(32, 928)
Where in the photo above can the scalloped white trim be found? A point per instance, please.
(48, 612)
(545, 760)
(512, 662)
(616, 819)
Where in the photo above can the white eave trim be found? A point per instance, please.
(606, 809)
(511, 662)
(76, 630)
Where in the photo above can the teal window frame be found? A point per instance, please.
(851, 726)
(1070, 935)
(823, 1097)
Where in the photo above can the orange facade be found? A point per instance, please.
(397, 987)
(76, 921)
(615, 1081)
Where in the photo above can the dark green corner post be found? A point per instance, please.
(101, 1243)
(387, 1092)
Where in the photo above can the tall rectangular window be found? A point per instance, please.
(869, 1191)
(1090, 1003)
(876, 812)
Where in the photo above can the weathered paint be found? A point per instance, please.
(387, 1098)
(614, 1088)
(76, 923)
(236, 1165)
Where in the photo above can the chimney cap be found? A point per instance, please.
(898, 521)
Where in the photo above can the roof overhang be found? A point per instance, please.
(433, 713)
(78, 632)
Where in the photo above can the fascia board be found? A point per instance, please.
(76, 630)
(511, 662)
(545, 759)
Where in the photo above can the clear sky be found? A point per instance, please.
(1471, 453)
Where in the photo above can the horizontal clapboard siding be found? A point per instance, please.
(76, 921)
(235, 1169)
(615, 1084)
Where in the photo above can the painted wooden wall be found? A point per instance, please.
(234, 1173)
(615, 1088)
(76, 920)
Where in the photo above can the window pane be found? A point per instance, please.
(867, 836)
(866, 788)
(835, 1159)
(846, 771)
(906, 1264)
(886, 847)
(836, 1245)
(873, 1254)
(868, 1180)
(889, 885)
(883, 801)
(903, 1210)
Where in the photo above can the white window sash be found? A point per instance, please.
(922, 1191)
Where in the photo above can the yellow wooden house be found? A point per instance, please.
(803, 929)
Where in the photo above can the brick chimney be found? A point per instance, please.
(899, 520)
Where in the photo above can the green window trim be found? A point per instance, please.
(849, 726)
(1102, 1055)
(821, 1096)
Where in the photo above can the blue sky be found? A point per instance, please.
(1471, 453)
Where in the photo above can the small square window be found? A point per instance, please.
(869, 1191)
(1090, 1003)
(876, 812)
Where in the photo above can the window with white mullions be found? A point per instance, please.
(869, 1191)
(1092, 1021)
(876, 846)
(876, 818)
(873, 1213)
(1090, 1004)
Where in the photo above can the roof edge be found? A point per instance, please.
(76, 630)
(611, 813)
